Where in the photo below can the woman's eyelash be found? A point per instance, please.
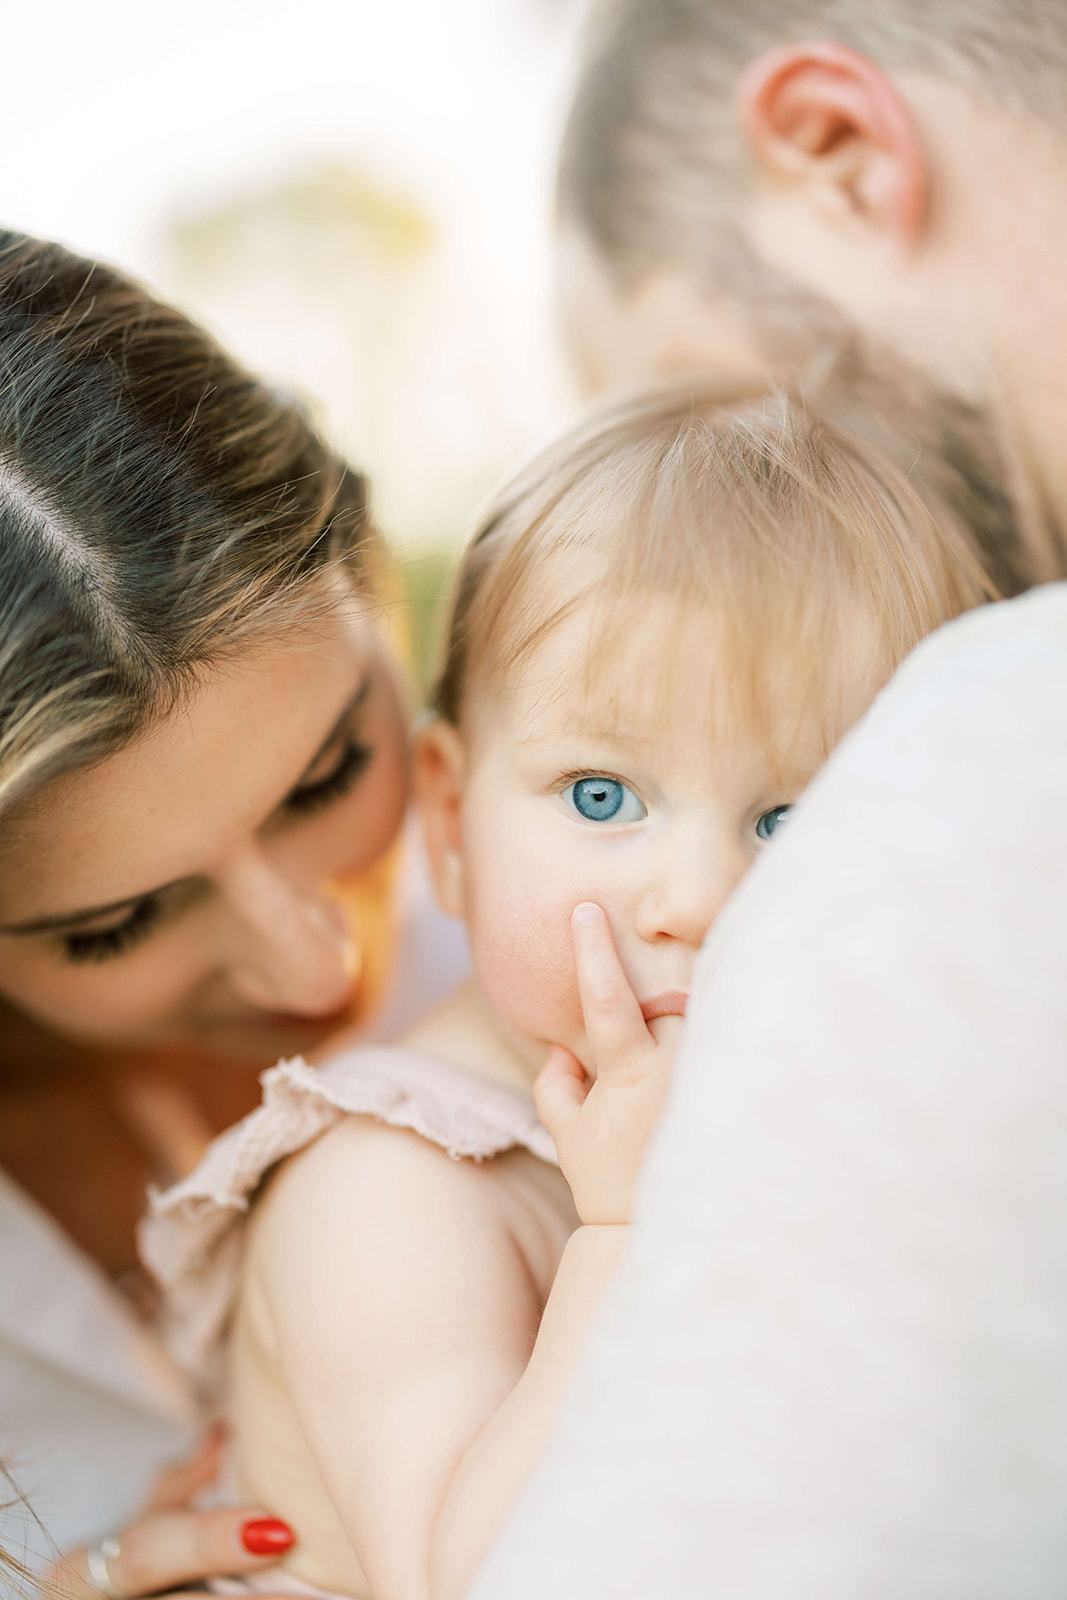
(351, 765)
(109, 942)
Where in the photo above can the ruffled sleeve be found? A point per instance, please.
(192, 1238)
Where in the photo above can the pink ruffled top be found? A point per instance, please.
(191, 1239)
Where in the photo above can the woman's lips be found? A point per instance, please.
(671, 1004)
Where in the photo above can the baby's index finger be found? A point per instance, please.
(614, 1023)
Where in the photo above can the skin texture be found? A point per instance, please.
(170, 1544)
(252, 951)
(662, 878)
(931, 220)
(277, 931)
(384, 1396)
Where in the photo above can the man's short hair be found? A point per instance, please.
(654, 166)
(653, 159)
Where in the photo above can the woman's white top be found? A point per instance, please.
(834, 1366)
(90, 1407)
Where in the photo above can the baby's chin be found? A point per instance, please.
(533, 1030)
(531, 997)
(665, 1027)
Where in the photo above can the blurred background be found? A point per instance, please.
(354, 196)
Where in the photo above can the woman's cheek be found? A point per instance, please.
(105, 1003)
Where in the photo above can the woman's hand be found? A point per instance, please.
(171, 1545)
(601, 1122)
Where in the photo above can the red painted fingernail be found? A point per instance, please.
(267, 1536)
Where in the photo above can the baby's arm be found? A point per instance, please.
(404, 1293)
(600, 1126)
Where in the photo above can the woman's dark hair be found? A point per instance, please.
(160, 511)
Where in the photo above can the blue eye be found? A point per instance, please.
(604, 800)
(770, 820)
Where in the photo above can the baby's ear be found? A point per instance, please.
(438, 761)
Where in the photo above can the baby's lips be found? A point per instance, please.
(670, 1004)
(267, 1536)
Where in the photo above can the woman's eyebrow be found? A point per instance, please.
(72, 919)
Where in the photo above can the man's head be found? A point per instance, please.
(747, 184)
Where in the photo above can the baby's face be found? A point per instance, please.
(616, 784)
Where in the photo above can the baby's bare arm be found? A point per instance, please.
(405, 1297)
(498, 1461)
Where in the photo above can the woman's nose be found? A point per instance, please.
(295, 950)
(693, 879)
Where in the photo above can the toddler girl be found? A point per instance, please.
(662, 629)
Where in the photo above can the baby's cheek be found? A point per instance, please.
(524, 960)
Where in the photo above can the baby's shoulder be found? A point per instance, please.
(361, 1169)
(400, 1221)
(444, 1165)
(370, 1179)
(378, 1152)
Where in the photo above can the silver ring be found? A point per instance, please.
(96, 1565)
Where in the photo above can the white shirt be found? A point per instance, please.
(90, 1407)
(834, 1365)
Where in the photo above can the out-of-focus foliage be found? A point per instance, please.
(346, 290)
(427, 583)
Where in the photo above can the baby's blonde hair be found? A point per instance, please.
(792, 531)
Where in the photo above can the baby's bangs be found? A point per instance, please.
(805, 548)
(779, 651)
(545, 557)
(815, 570)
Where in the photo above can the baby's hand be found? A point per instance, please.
(601, 1124)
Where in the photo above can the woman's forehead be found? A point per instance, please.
(166, 806)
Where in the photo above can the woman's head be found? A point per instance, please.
(188, 672)
(659, 634)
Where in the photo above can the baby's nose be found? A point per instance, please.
(690, 890)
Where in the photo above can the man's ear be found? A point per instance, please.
(438, 760)
(825, 122)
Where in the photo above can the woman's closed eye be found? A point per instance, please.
(771, 821)
(101, 944)
(96, 944)
(600, 798)
(347, 768)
